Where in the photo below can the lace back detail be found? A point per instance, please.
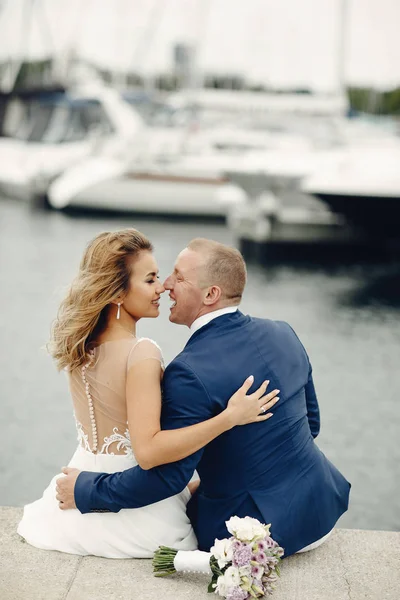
(122, 441)
(83, 438)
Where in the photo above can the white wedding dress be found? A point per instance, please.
(98, 394)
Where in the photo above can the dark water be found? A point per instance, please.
(347, 316)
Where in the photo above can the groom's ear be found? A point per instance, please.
(213, 295)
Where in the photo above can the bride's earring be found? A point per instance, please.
(119, 310)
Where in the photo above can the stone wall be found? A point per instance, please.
(351, 565)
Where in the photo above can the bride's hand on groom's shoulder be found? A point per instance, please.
(65, 488)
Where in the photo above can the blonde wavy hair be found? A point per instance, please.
(103, 276)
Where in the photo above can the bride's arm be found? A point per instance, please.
(153, 446)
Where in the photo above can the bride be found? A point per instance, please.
(118, 423)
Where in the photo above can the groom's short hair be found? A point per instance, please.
(224, 266)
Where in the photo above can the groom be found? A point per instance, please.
(272, 470)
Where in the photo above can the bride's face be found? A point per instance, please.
(145, 289)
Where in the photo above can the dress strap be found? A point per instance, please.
(143, 349)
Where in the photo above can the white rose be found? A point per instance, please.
(245, 529)
(229, 580)
(233, 524)
(232, 577)
(223, 552)
(221, 588)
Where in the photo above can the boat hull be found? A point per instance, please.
(133, 195)
(376, 214)
(127, 193)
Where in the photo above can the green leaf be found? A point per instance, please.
(215, 567)
(212, 585)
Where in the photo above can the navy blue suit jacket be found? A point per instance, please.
(272, 470)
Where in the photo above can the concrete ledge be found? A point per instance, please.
(352, 565)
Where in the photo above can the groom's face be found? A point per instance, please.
(184, 289)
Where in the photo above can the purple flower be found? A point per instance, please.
(241, 556)
(272, 561)
(267, 570)
(261, 557)
(268, 589)
(269, 576)
(269, 583)
(237, 593)
(236, 544)
(270, 543)
(262, 545)
(257, 572)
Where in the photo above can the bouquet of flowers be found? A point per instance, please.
(246, 565)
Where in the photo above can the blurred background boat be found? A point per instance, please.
(363, 184)
(263, 159)
(185, 168)
(180, 187)
(55, 130)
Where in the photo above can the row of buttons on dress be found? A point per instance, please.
(90, 401)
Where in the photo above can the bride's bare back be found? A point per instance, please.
(98, 392)
(129, 533)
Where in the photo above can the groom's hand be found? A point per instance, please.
(65, 488)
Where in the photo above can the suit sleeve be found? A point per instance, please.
(311, 396)
(185, 402)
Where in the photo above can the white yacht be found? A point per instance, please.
(363, 184)
(180, 185)
(60, 130)
(182, 162)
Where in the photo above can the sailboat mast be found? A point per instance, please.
(342, 45)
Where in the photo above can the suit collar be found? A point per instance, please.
(201, 321)
(219, 324)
